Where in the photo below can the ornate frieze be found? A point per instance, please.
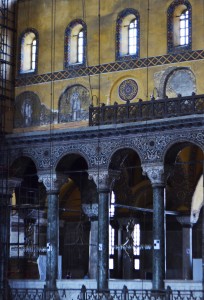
(151, 146)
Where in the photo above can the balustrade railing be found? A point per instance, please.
(92, 294)
(146, 110)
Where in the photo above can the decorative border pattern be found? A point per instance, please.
(112, 67)
(170, 27)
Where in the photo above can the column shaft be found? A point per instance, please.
(103, 240)
(93, 250)
(187, 252)
(158, 238)
(52, 241)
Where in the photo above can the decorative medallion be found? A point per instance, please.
(128, 90)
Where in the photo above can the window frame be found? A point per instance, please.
(174, 12)
(122, 34)
(31, 53)
(71, 50)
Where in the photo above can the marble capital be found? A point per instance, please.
(104, 179)
(52, 181)
(7, 185)
(155, 173)
(90, 210)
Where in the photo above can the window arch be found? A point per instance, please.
(127, 34)
(29, 44)
(75, 44)
(179, 26)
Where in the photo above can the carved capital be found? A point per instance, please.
(104, 179)
(9, 184)
(90, 210)
(155, 172)
(52, 181)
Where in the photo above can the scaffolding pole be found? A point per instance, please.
(7, 38)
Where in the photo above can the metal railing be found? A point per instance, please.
(146, 110)
(93, 294)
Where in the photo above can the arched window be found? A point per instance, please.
(127, 35)
(75, 44)
(179, 26)
(28, 51)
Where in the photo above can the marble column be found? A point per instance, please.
(91, 210)
(103, 180)
(7, 187)
(186, 246)
(155, 172)
(52, 182)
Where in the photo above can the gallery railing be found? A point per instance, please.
(146, 110)
(92, 294)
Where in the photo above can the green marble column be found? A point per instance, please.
(52, 183)
(104, 180)
(155, 172)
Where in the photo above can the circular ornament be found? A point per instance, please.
(128, 89)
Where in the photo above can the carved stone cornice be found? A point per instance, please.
(155, 173)
(195, 121)
(52, 181)
(104, 179)
(7, 185)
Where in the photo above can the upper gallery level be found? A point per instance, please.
(74, 55)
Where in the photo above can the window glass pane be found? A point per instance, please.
(182, 40)
(132, 37)
(111, 263)
(182, 32)
(137, 264)
(184, 28)
(112, 206)
(111, 240)
(136, 239)
(33, 55)
(80, 47)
